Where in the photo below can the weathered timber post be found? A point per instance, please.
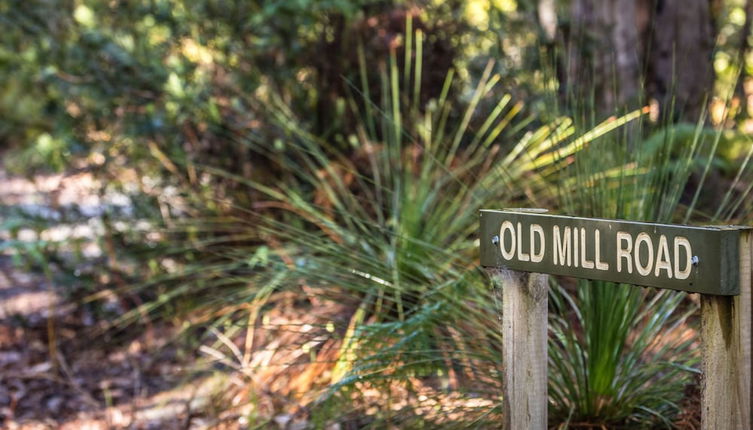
(726, 351)
(524, 299)
(518, 246)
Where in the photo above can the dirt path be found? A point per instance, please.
(56, 368)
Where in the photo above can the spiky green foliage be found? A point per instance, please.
(392, 226)
(386, 226)
(621, 355)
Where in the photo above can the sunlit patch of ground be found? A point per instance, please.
(77, 381)
(57, 369)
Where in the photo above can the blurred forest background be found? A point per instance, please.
(263, 214)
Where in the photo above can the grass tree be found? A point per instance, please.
(387, 224)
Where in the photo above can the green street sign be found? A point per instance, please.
(678, 257)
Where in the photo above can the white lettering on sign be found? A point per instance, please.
(586, 263)
(641, 239)
(649, 255)
(685, 243)
(537, 257)
(561, 246)
(662, 258)
(624, 253)
(600, 265)
(521, 255)
(575, 247)
(507, 254)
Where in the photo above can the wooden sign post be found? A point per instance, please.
(520, 248)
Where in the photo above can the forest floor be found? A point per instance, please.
(60, 369)
(75, 384)
(56, 370)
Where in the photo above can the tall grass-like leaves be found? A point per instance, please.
(622, 355)
(391, 223)
(384, 221)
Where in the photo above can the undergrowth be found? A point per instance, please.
(383, 223)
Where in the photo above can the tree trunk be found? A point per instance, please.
(680, 73)
(604, 55)
(620, 54)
